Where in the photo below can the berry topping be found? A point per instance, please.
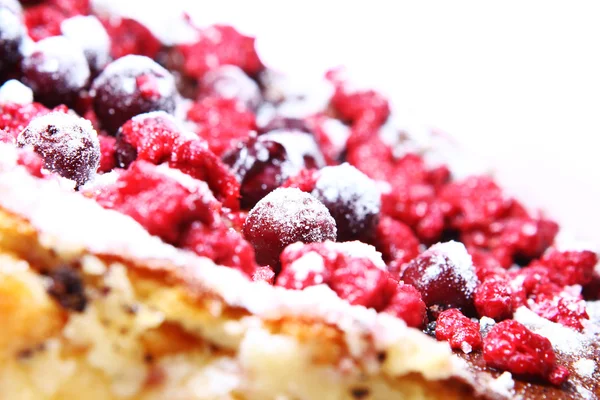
(562, 308)
(493, 299)
(128, 36)
(107, 153)
(130, 86)
(89, 34)
(56, 70)
(510, 346)
(353, 200)
(223, 123)
(230, 82)
(445, 276)
(264, 274)
(459, 331)
(223, 245)
(68, 144)
(162, 200)
(12, 33)
(220, 45)
(15, 117)
(397, 243)
(569, 267)
(407, 304)
(44, 20)
(283, 217)
(264, 163)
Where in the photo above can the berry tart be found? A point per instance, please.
(178, 222)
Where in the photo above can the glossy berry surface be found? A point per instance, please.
(264, 163)
(445, 276)
(68, 145)
(510, 346)
(283, 217)
(56, 70)
(130, 86)
(459, 331)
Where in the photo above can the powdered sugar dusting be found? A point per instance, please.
(297, 146)
(15, 92)
(357, 249)
(585, 367)
(88, 33)
(309, 263)
(503, 385)
(12, 29)
(337, 132)
(61, 56)
(460, 261)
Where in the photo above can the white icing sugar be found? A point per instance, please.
(337, 132)
(460, 261)
(185, 180)
(585, 367)
(229, 81)
(297, 145)
(12, 27)
(289, 209)
(12, 5)
(310, 262)
(357, 249)
(347, 185)
(485, 323)
(62, 57)
(563, 339)
(89, 34)
(503, 385)
(15, 92)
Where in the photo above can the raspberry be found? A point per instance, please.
(493, 299)
(220, 45)
(486, 265)
(107, 153)
(32, 162)
(150, 137)
(163, 201)
(44, 20)
(223, 245)
(305, 180)
(12, 34)
(569, 267)
(230, 82)
(331, 135)
(283, 217)
(307, 265)
(56, 70)
(566, 310)
(397, 243)
(130, 86)
(15, 117)
(128, 36)
(353, 105)
(264, 163)
(459, 331)
(264, 274)
(68, 144)
(445, 276)
(407, 304)
(222, 122)
(474, 202)
(193, 158)
(510, 346)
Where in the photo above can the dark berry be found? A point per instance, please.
(445, 276)
(56, 70)
(12, 34)
(130, 86)
(353, 200)
(264, 163)
(510, 346)
(128, 36)
(68, 144)
(230, 82)
(283, 217)
(407, 304)
(89, 34)
(459, 331)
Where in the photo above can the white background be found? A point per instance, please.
(516, 82)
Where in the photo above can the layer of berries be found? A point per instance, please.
(260, 179)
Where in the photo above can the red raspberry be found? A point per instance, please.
(223, 245)
(510, 346)
(304, 265)
(305, 180)
(236, 219)
(397, 243)
(331, 135)
(353, 104)
(569, 267)
(283, 217)
(459, 331)
(128, 36)
(486, 265)
(223, 123)
(32, 162)
(474, 202)
(195, 159)
(264, 274)
(161, 200)
(107, 153)
(150, 137)
(564, 309)
(44, 20)
(220, 45)
(493, 299)
(15, 117)
(407, 304)
(445, 276)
